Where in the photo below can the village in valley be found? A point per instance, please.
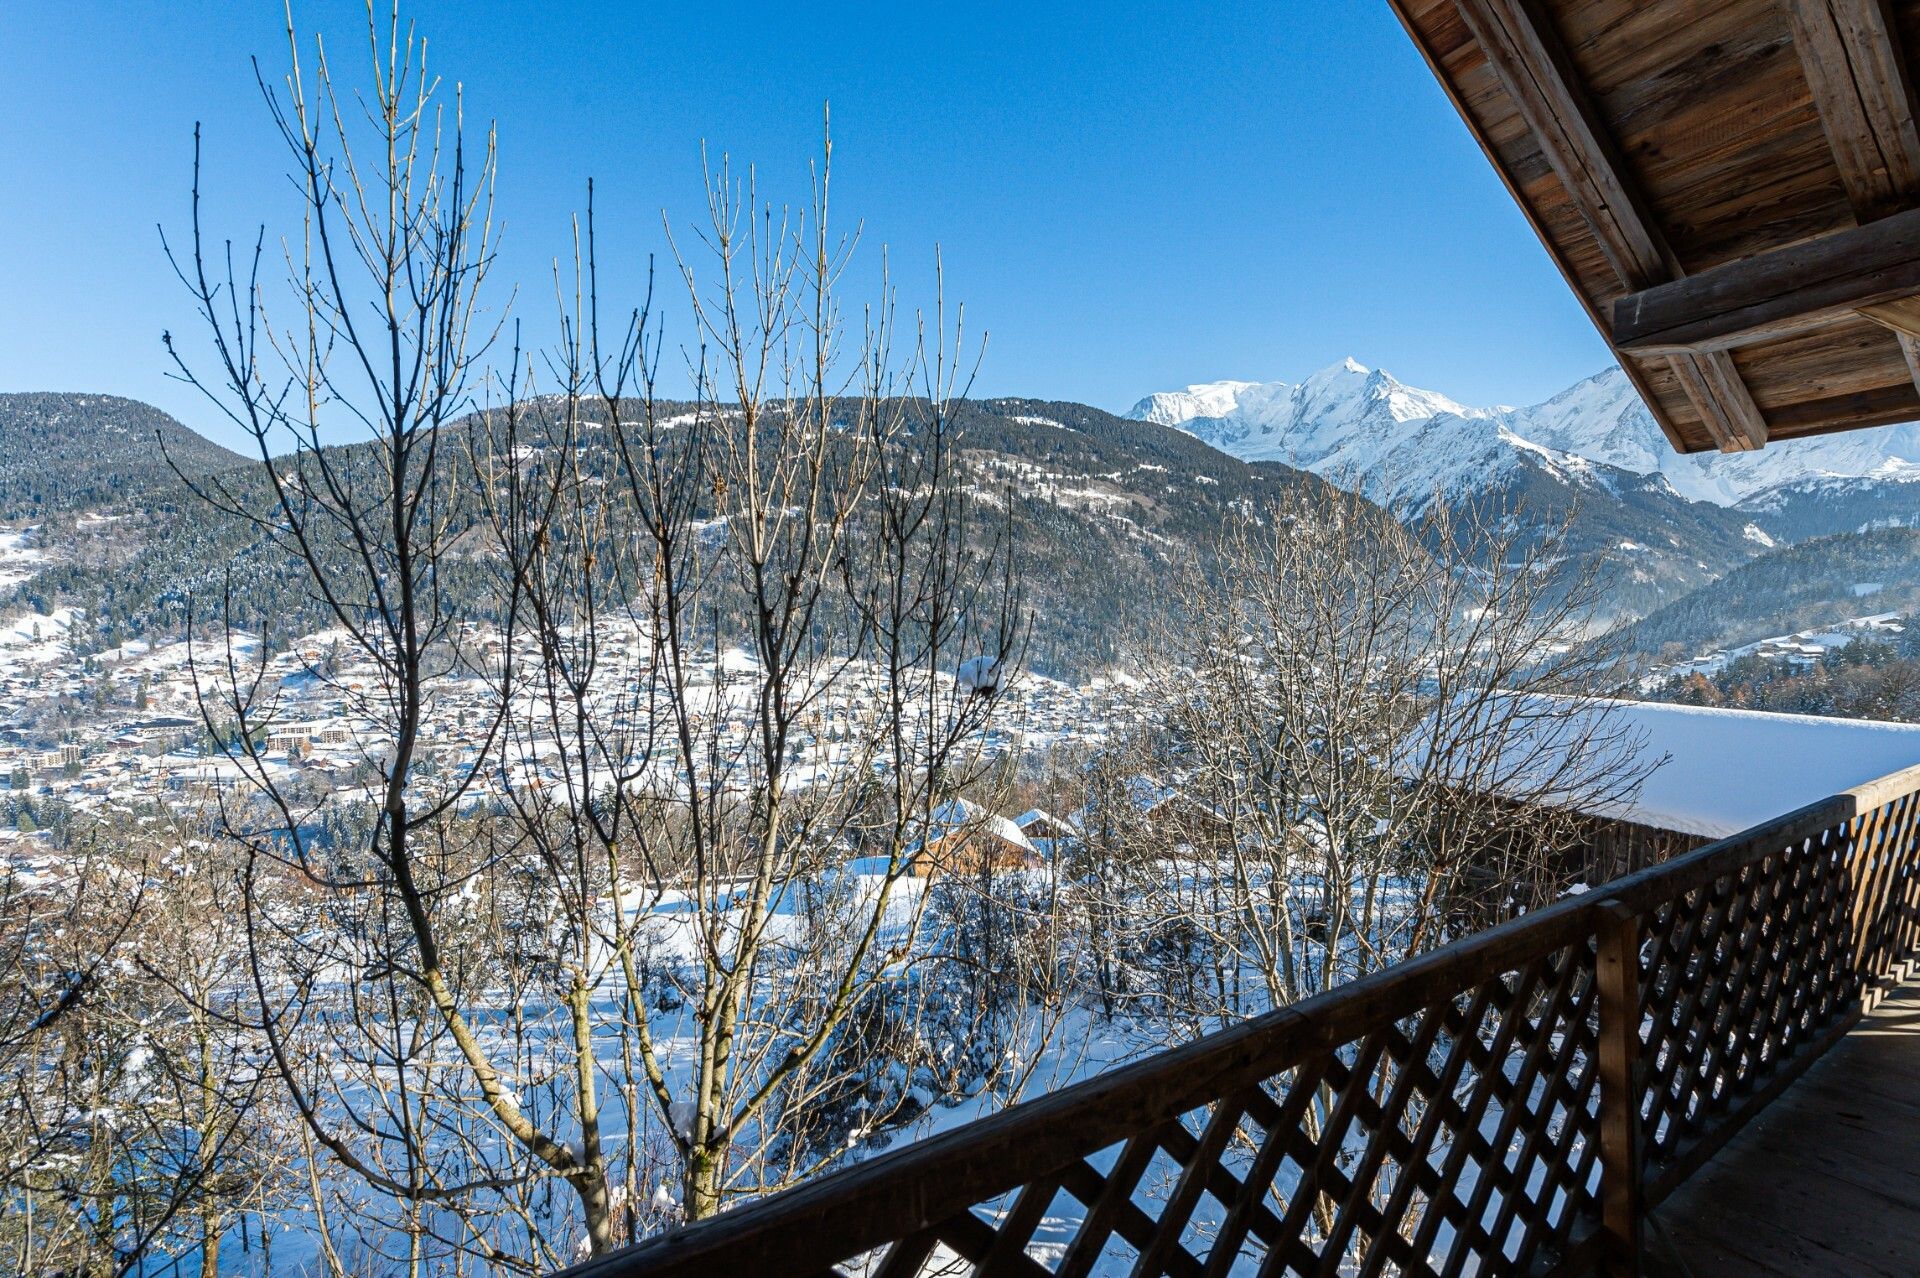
(145, 728)
(140, 729)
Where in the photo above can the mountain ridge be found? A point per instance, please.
(73, 450)
(1105, 504)
(1327, 419)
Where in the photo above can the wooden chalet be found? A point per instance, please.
(1710, 1066)
(1162, 812)
(964, 838)
(1037, 823)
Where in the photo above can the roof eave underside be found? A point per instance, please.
(1731, 189)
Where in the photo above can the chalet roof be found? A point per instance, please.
(962, 816)
(1041, 818)
(1732, 189)
(1727, 770)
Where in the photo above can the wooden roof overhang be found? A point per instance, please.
(1731, 187)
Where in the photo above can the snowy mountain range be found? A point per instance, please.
(1399, 442)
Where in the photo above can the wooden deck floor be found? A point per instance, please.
(1826, 1180)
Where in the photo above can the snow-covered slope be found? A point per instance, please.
(1405, 448)
(1346, 417)
(1588, 467)
(1603, 418)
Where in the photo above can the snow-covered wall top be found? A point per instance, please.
(1348, 419)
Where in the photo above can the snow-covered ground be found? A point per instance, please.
(20, 556)
(36, 638)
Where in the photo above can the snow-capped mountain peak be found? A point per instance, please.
(1342, 417)
(1353, 419)
(1204, 399)
(1348, 384)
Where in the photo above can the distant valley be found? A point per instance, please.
(1696, 551)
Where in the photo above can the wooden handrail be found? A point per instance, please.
(1620, 1036)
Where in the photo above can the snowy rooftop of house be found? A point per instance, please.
(1727, 770)
(1041, 817)
(958, 816)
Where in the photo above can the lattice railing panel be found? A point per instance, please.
(1449, 1141)
(1511, 1103)
(1745, 972)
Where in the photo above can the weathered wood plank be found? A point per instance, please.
(1722, 400)
(1461, 67)
(1533, 68)
(1775, 293)
(1850, 52)
(1715, 139)
(1621, 1204)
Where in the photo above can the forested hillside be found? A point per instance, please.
(61, 452)
(1868, 679)
(1799, 587)
(1101, 509)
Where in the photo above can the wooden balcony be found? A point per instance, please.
(1709, 1064)
(1826, 1180)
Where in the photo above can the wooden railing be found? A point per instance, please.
(1513, 1102)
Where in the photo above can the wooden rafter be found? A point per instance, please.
(1526, 56)
(1903, 317)
(1850, 52)
(1771, 294)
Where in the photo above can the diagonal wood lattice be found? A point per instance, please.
(1502, 1105)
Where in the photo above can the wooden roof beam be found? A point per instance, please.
(1775, 293)
(1531, 64)
(1850, 52)
(1903, 318)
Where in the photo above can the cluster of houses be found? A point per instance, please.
(1801, 650)
(153, 747)
(965, 838)
(127, 729)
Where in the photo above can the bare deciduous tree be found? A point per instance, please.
(1373, 735)
(712, 653)
(136, 1128)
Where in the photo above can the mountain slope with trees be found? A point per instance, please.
(1102, 510)
(68, 452)
(1810, 584)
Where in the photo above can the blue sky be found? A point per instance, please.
(1128, 197)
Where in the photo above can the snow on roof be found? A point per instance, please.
(964, 816)
(1727, 770)
(1040, 816)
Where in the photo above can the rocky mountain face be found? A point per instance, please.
(1592, 456)
(1579, 466)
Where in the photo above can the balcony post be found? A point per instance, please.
(1618, 975)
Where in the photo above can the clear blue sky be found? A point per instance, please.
(1128, 196)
